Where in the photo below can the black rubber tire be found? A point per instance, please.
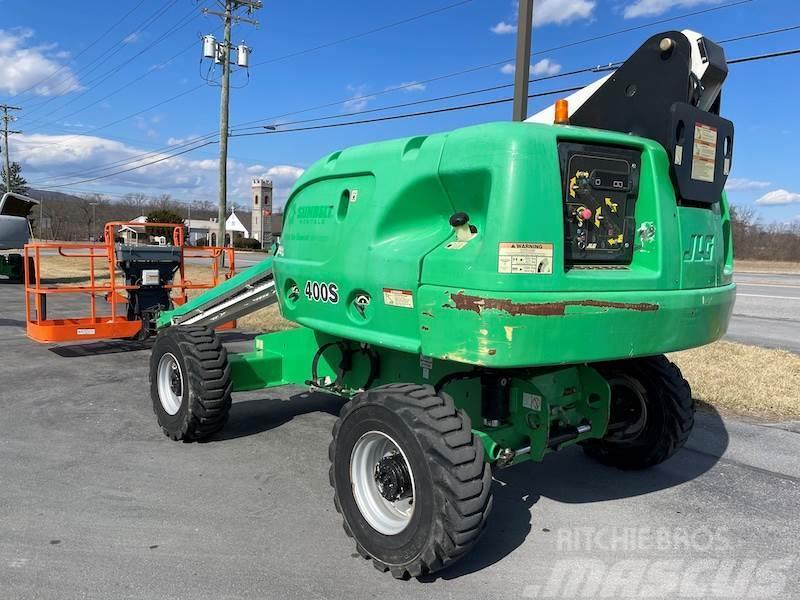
(670, 415)
(206, 388)
(453, 482)
(15, 262)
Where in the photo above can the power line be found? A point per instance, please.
(471, 70)
(409, 115)
(103, 59)
(111, 94)
(759, 34)
(406, 86)
(183, 22)
(195, 140)
(778, 54)
(401, 116)
(147, 164)
(364, 33)
(243, 125)
(596, 69)
(86, 49)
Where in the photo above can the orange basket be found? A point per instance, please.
(115, 325)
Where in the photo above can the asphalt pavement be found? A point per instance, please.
(96, 503)
(767, 310)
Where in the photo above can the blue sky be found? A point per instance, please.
(61, 115)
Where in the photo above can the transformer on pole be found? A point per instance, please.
(220, 53)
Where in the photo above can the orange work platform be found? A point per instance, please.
(107, 319)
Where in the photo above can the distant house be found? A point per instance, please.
(134, 234)
(201, 229)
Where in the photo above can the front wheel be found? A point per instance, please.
(652, 413)
(190, 382)
(409, 478)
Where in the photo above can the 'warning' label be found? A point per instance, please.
(525, 257)
(401, 298)
(704, 154)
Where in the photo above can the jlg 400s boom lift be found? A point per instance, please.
(486, 296)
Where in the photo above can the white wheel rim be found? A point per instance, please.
(385, 516)
(170, 383)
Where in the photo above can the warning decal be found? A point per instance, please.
(401, 298)
(525, 257)
(704, 154)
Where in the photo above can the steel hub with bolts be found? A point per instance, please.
(383, 482)
(170, 383)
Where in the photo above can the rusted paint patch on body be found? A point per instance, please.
(478, 304)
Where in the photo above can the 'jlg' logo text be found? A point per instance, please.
(701, 248)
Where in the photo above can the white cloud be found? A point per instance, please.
(650, 8)
(551, 12)
(145, 125)
(23, 65)
(132, 38)
(175, 141)
(562, 11)
(503, 28)
(46, 157)
(544, 67)
(412, 86)
(743, 184)
(778, 198)
(359, 100)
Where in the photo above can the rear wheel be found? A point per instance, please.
(190, 382)
(409, 478)
(652, 413)
(16, 268)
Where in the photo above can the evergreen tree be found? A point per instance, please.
(18, 182)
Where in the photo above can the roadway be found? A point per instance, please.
(767, 310)
(96, 503)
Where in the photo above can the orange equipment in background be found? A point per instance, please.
(129, 272)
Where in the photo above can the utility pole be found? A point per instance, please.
(221, 53)
(7, 118)
(94, 220)
(522, 72)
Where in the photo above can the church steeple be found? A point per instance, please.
(261, 220)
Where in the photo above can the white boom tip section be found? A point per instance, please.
(575, 100)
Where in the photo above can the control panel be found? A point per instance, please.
(600, 186)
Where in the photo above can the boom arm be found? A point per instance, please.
(250, 290)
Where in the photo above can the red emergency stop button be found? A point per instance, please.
(584, 214)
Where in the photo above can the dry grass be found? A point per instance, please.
(733, 378)
(765, 266)
(265, 320)
(744, 380)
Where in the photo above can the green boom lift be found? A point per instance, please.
(484, 297)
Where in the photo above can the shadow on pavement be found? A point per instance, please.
(572, 478)
(251, 417)
(101, 348)
(12, 323)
